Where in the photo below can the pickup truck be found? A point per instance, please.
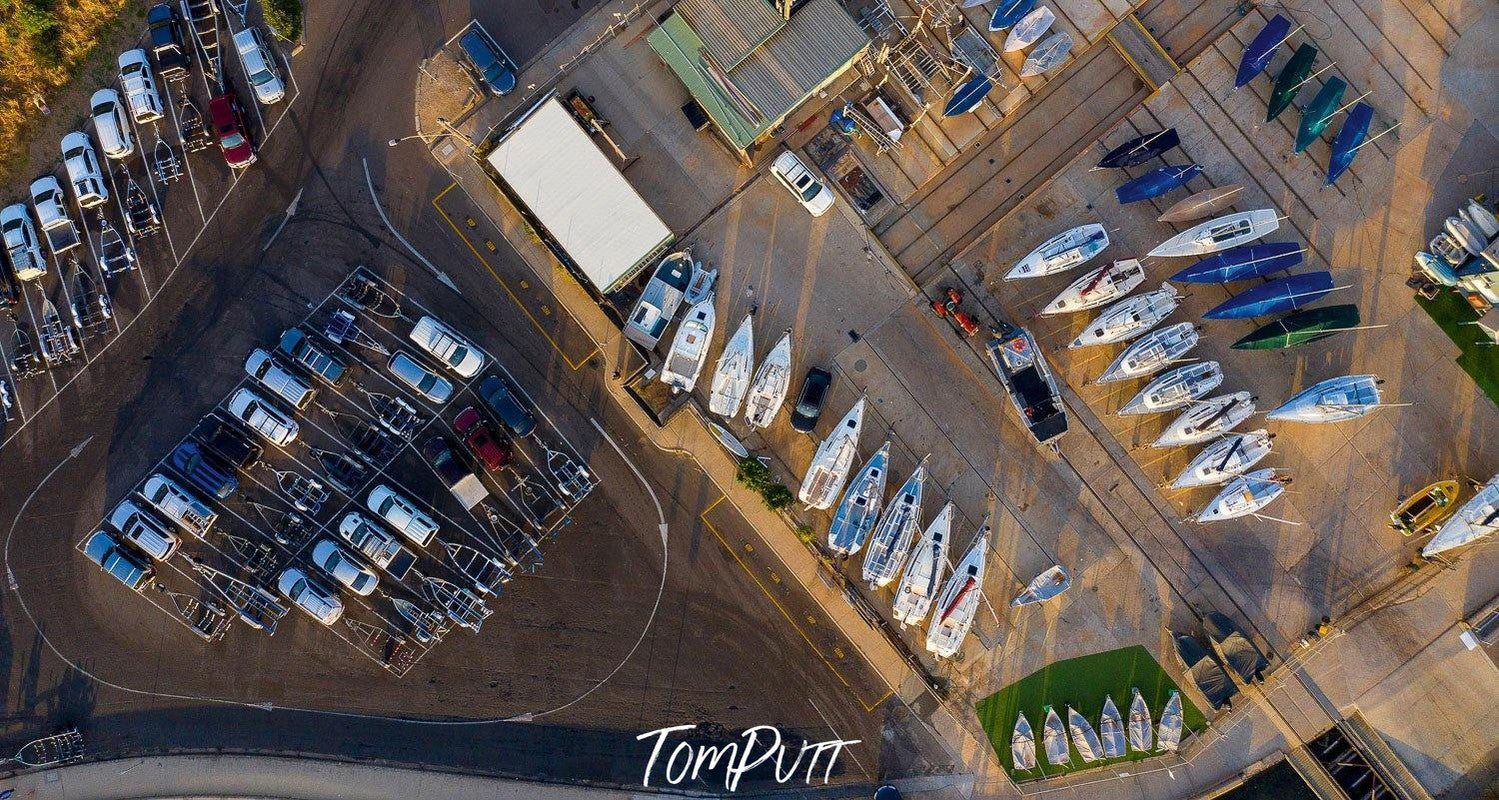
(47, 200)
(370, 541)
(455, 475)
(21, 246)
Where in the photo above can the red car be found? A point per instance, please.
(482, 439)
(228, 121)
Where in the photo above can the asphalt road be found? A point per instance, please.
(718, 652)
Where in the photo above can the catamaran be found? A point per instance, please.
(768, 390)
(690, 347)
(959, 601)
(918, 587)
(1207, 419)
(1140, 735)
(1062, 252)
(1103, 285)
(1023, 744)
(1130, 317)
(1152, 353)
(1333, 400)
(1244, 495)
(1111, 729)
(832, 461)
(1054, 739)
(1477, 518)
(1224, 459)
(1202, 204)
(1175, 388)
(861, 504)
(1169, 734)
(731, 378)
(1044, 587)
(1219, 234)
(659, 302)
(893, 534)
(1084, 738)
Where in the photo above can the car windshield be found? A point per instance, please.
(103, 108)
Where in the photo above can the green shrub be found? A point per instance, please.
(804, 533)
(753, 474)
(285, 18)
(777, 496)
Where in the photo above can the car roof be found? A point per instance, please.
(99, 545)
(76, 139)
(132, 57)
(103, 95)
(45, 182)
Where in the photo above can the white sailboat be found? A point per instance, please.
(832, 461)
(1222, 233)
(1476, 519)
(768, 390)
(918, 587)
(1169, 734)
(731, 378)
(1031, 27)
(1054, 739)
(1175, 388)
(1111, 729)
(1023, 744)
(959, 601)
(1130, 317)
(1068, 249)
(893, 534)
(1044, 587)
(1140, 733)
(1084, 738)
(1224, 459)
(1103, 285)
(1333, 400)
(689, 349)
(1244, 495)
(1152, 352)
(1048, 55)
(1207, 419)
(861, 504)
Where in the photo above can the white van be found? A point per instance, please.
(282, 382)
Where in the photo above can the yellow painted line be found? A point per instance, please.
(574, 365)
(868, 707)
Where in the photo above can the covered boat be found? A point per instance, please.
(1204, 671)
(1140, 149)
(1222, 233)
(1043, 587)
(923, 577)
(768, 390)
(1054, 739)
(1317, 114)
(968, 95)
(1156, 183)
(1466, 235)
(1062, 252)
(1261, 49)
(1300, 328)
(959, 600)
(1207, 419)
(1098, 287)
(657, 305)
(1233, 646)
(1333, 400)
(1225, 458)
(689, 350)
(1243, 263)
(1244, 495)
(1152, 353)
(1111, 729)
(1169, 734)
(1048, 55)
(861, 505)
(1282, 294)
(731, 378)
(1175, 388)
(1027, 378)
(1031, 27)
(1202, 204)
(1290, 80)
(1130, 317)
(1140, 734)
(1023, 744)
(891, 540)
(1009, 12)
(1084, 738)
(1348, 140)
(1476, 519)
(832, 461)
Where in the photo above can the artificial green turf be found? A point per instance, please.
(1481, 361)
(1081, 683)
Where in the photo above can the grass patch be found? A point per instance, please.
(1082, 683)
(1452, 314)
(1279, 782)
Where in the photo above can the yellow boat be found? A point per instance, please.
(1427, 508)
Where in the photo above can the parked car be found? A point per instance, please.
(482, 439)
(428, 384)
(810, 400)
(204, 471)
(453, 473)
(228, 441)
(298, 346)
(140, 87)
(344, 568)
(495, 68)
(21, 245)
(372, 542)
(814, 196)
(282, 382)
(401, 514)
(142, 529)
(167, 46)
(173, 501)
(230, 130)
(507, 405)
(310, 596)
(445, 345)
(260, 64)
(84, 172)
(51, 207)
(118, 561)
(110, 126)
(263, 417)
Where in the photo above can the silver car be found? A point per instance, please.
(401, 514)
(140, 87)
(84, 172)
(263, 417)
(310, 596)
(142, 529)
(281, 381)
(445, 345)
(259, 62)
(344, 568)
(21, 245)
(428, 384)
(110, 125)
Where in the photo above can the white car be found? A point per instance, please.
(110, 125)
(138, 527)
(428, 384)
(445, 345)
(140, 87)
(281, 381)
(337, 562)
(794, 175)
(260, 65)
(310, 596)
(21, 245)
(84, 173)
(263, 417)
(179, 505)
(401, 514)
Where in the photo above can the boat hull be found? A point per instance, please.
(1348, 140)
(1140, 149)
(1156, 183)
(1277, 296)
(1243, 263)
(967, 96)
(1302, 327)
(1048, 55)
(1290, 80)
(1203, 204)
(1009, 12)
(1318, 113)
(1261, 49)
(1030, 28)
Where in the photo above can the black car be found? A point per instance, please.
(231, 443)
(204, 470)
(172, 60)
(507, 405)
(809, 402)
(494, 67)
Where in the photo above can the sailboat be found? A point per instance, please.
(731, 378)
(1023, 744)
(959, 601)
(1111, 729)
(1223, 459)
(1030, 28)
(1346, 144)
(1103, 285)
(1140, 735)
(1156, 183)
(1048, 55)
(1302, 327)
(918, 588)
(861, 504)
(1292, 77)
(1243, 263)
(1054, 739)
(1476, 519)
(1316, 114)
(1202, 204)
(1244, 495)
(1333, 400)
(684, 362)
(1140, 149)
(1283, 294)
(1175, 388)
(1152, 353)
(1207, 419)
(1261, 49)
(1084, 738)
(1009, 12)
(1062, 252)
(1169, 734)
(832, 461)
(1222, 233)
(893, 534)
(660, 300)
(768, 390)
(968, 96)
(1044, 587)
(1130, 317)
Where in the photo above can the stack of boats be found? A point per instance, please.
(1115, 737)
(1464, 254)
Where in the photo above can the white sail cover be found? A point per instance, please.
(1477, 518)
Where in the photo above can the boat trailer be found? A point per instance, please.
(194, 130)
(51, 751)
(24, 360)
(92, 308)
(343, 329)
(58, 339)
(164, 161)
(463, 607)
(142, 217)
(365, 294)
(486, 572)
(115, 254)
(257, 607)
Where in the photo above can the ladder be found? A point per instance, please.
(870, 128)
(203, 18)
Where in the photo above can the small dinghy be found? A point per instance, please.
(1156, 182)
(1333, 400)
(1262, 49)
(731, 378)
(1465, 235)
(1030, 28)
(1009, 12)
(959, 601)
(1099, 287)
(1207, 419)
(1224, 459)
(1043, 587)
(1062, 252)
(1292, 77)
(768, 390)
(1203, 204)
(1220, 234)
(1169, 734)
(1140, 734)
(861, 505)
(1284, 294)
(1152, 353)
(1476, 519)
(1054, 739)
(1244, 495)
(689, 350)
(1130, 317)
(1317, 114)
(1111, 729)
(923, 577)
(1084, 738)
(1437, 269)
(729, 441)
(1349, 139)
(1048, 55)
(1023, 745)
(832, 461)
(893, 534)
(1481, 217)
(967, 96)
(1175, 389)
(1303, 327)
(1243, 263)
(1140, 149)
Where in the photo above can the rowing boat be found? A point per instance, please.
(1202, 204)
(1346, 144)
(1175, 389)
(1130, 317)
(1062, 252)
(967, 96)
(1156, 182)
(1224, 458)
(1317, 114)
(1140, 149)
(1103, 285)
(1333, 400)
(1152, 353)
(1284, 294)
(1243, 263)
(1048, 55)
(1084, 738)
(1261, 49)
(1044, 587)
(1023, 745)
(1244, 495)
(1301, 328)
(861, 504)
(1170, 733)
(1290, 80)
(1030, 28)
(1054, 738)
(1220, 234)
(1207, 419)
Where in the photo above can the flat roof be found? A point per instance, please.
(588, 208)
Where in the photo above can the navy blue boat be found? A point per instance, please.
(1157, 182)
(1009, 13)
(1243, 263)
(1350, 137)
(1259, 52)
(1286, 294)
(968, 96)
(1140, 149)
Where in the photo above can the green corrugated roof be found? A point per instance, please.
(682, 50)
